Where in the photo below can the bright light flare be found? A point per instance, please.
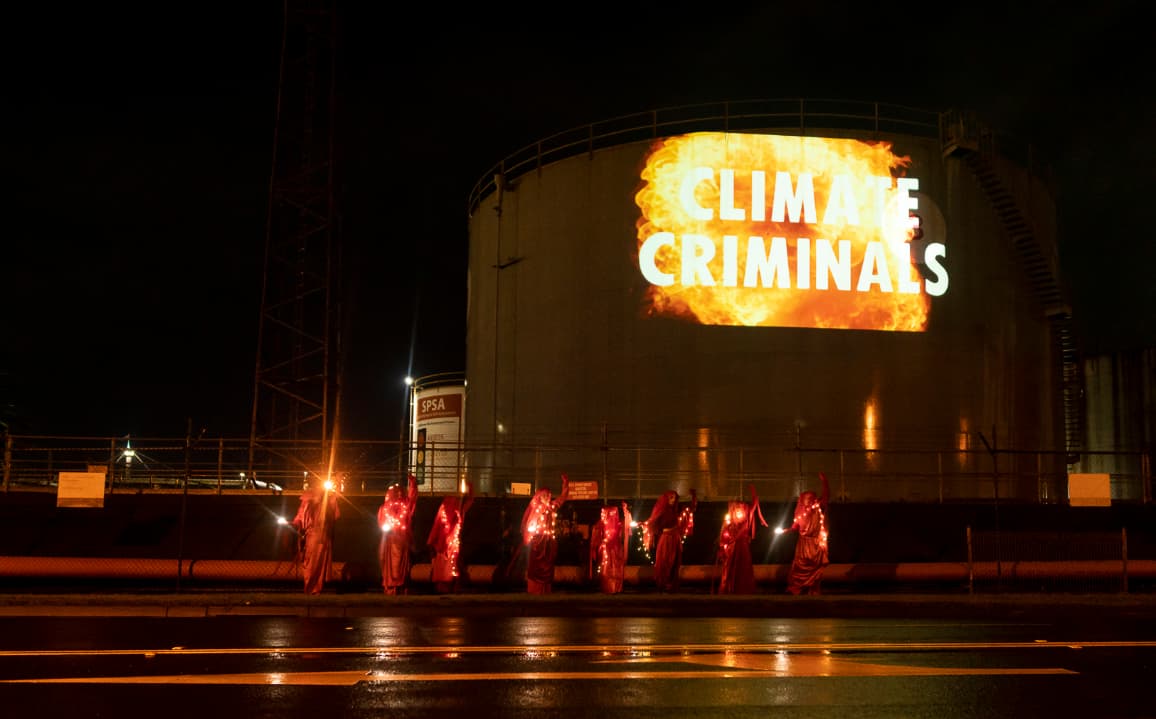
(282, 520)
(779, 530)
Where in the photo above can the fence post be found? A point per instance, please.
(798, 453)
(220, 463)
(995, 490)
(537, 466)
(970, 564)
(111, 465)
(638, 471)
(1041, 480)
(7, 460)
(605, 460)
(184, 502)
(842, 477)
(1146, 476)
(939, 467)
(1124, 556)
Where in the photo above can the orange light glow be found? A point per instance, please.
(869, 441)
(964, 441)
(870, 430)
(777, 231)
(704, 453)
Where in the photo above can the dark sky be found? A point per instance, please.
(138, 145)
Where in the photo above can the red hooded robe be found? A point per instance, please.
(316, 519)
(538, 538)
(445, 541)
(668, 525)
(739, 527)
(609, 541)
(395, 517)
(811, 558)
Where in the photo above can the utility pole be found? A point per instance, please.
(995, 487)
(184, 501)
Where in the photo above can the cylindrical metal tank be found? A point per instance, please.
(722, 297)
(436, 433)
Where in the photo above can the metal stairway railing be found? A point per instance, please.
(964, 137)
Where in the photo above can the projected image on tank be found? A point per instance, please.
(778, 231)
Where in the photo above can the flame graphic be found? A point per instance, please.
(663, 209)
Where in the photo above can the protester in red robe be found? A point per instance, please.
(734, 546)
(315, 522)
(445, 541)
(538, 538)
(609, 542)
(806, 574)
(670, 522)
(395, 516)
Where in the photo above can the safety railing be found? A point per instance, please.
(784, 115)
(605, 468)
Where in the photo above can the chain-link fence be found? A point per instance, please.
(367, 466)
(208, 464)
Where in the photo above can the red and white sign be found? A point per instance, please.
(583, 490)
(439, 406)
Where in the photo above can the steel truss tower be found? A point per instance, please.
(296, 382)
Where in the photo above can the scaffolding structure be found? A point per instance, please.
(297, 374)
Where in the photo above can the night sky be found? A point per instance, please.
(138, 145)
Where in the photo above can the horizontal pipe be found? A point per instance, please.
(120, 568)
(261, 570)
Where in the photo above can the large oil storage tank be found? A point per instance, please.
(747, 293)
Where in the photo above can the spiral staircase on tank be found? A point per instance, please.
(963, 136)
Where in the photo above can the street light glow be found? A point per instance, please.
(406, 419)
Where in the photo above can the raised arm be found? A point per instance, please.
(561, 498)
(756, 511)
(411, 494)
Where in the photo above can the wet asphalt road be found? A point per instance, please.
(1088, 658)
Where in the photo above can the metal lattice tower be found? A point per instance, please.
(296, 380)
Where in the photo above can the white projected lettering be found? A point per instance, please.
(769, 230)
(771, 268)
